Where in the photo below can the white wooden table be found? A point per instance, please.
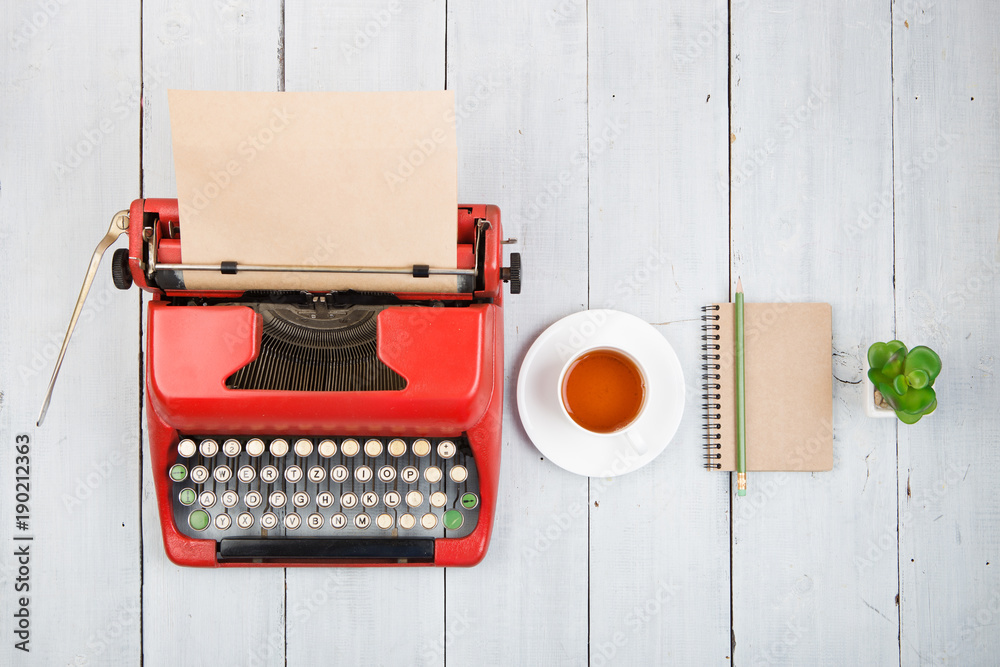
(645, 155)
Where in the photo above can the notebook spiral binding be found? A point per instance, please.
(711, 385)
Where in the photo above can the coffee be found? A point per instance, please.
(603, 391)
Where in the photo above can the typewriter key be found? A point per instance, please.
(414, 498)
(268, 474)
(255, 447)
(446, 449)
(409, 474)
(327, 448)
(223, 522)
(279, 447)
(421, 447)
(348, 500)
(244, 520)
(453, 519)
(187, 496)
(363, 474)
(362, 521)
(391, 498)
(209, 448)
(397, 447)
(222, 474)
(199, 474)
(268, 520)
(207, 499)
(338, 520)
(324, 499)
(230, 498)
(349, 447)
(339, 473)
(178, 472)
(231, 447)
(300, 498)
(292, 521)
(293, 474)
(276, 499)
(438, 499)
(387, 473)
(373, 447)
(247, 474)
(317, 474)
(199, 519)
(433, 474)
(384, 521)
(252, 499)
(315, 521)
(369, 499)
(407, 521)
(303, 447)
(186, 448)
(428, 521)
(458, 474)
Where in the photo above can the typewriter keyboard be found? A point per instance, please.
(355, 487)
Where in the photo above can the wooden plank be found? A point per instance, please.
(70, 160)
(811, 221)
(202, 616)
(947, 203)
(659, 230)
(365, 46)
(519, 72)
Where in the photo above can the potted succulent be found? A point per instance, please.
(901, 381)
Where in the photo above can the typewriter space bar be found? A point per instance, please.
(348, 549)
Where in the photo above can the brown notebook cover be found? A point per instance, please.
(789, 386)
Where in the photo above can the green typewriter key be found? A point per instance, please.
(178, 473)
(199, 519)
(187, 496)
(453, 519)
(469, 501)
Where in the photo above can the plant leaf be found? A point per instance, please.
(900, 384)
(878, 355)
(878, 377)
(916, 401)
(925, 359)
(917, 378)
(897, 346)
(932, 408)
(890, 395)
(907, 418)
(894, 366)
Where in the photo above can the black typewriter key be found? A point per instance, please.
(199, 474)
(268, 474)
(438, 499)
(421, 447)
(293, 474)
(187, 496)
(317, 474)
(446, 449)
(279, 447)
(178, 472)
(276, 499)
(186, 448)
(433, 474)
(230, 498)
(397, 447)
(315, 521)
(363, 474)
(362, 521)
(414, 498)
(387, 473)
(209, 448)
(373, 447)
(391, 498)
(369, 499)
(348, 501)
(407, 521)
(207, 499)
(268, 520)
(303, 447)
(384, 521)
(244, 520)
(300, 498)
(409, 474)
(429, 521)
(223, 521)
(222, 474)
(246, 474)
(458, 474)
(338, 520)
(255, 447)
(292, 521)
(350, 447)
(339, 473)
(231, 447)
(327, 448)
(325, 499)
(253, 499)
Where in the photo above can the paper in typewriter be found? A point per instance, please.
(316, 179)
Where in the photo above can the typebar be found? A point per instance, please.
(326, 548)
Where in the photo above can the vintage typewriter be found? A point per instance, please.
(305, 428)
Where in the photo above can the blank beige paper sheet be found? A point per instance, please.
(316, 179)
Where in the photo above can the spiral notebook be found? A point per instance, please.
(789, 386)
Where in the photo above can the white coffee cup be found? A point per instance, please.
(628, 432)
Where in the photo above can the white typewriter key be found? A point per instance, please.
(207, 499)
(421, 447)
(222, 474)
(279, 447)
(362, 520)
(391, 498)
(397, 447)
(268, 520)
(230, 498)
(303, 447)
(255, 447)
(446, 449)
(363, 473)
(246, 474)
(348, 500)
(339, 473)
(293, 521)
(199, 474)
(429, 520)
(253, 499)
(324, 499)
(458, 474)
(293, 474)
(244, 520)
(369, 499)
(387, 473)
(373, 447)
(223, 522)
(414, 498)
(268, 474)
(349, 447)
(315, 521)
(433, 474)
(231, 447)
(327, 448)
(277, 499)
(409, 474)
(300, 498)
(317, 474)
(407, 521)
(438, 499)
(186, 448)
(338, 520)
(384, 521)
(209, 448)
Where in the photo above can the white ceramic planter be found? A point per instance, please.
(871, 409)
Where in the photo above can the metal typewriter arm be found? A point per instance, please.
(119, 226)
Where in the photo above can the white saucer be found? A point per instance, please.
(561, 441)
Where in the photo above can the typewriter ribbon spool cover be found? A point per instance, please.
(316, 179)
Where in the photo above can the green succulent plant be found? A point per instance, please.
(905, 378)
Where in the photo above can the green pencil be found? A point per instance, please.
(741, 443)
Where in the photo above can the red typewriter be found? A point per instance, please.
(306, 428)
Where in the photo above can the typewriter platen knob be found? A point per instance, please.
(512, 274)
(120, 274)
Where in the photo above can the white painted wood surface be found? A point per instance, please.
(864, 171)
